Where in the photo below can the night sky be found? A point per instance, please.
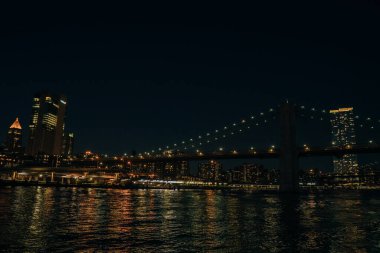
(137, 77)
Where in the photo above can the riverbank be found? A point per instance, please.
(134, 185)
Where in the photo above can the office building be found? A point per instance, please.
(343, 136)
(47, 125)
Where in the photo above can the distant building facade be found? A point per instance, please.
(46, 127)
(176, 170)
(161, 170)
(343, 136)
(182, 169)
(248, 173)
(210, 171)
(310, 177)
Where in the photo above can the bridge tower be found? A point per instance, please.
(289, 181)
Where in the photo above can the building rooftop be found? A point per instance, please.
(16, 125)
(342, 110)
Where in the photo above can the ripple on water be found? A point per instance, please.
(39, 219)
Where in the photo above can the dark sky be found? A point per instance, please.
(137, 77)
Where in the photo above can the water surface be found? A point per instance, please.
(37, 219)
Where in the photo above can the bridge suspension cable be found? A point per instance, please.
(312, 113)
(236, 128)
(246, 124)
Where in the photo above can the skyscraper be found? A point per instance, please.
(47, 125)
(343, 136)
(14, 138)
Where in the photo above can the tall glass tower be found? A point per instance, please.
(343, 136)
(47, 125)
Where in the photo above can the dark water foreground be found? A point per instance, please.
(37, 219)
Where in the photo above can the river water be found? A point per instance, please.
(37, 219)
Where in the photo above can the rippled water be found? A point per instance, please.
(36, 219)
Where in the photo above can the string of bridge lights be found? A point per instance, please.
(256, 120)
(315, 114)
(219, 134)
(368, 123)
(236, 128)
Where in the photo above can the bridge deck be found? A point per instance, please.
(310, 152)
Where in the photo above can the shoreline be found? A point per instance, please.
(250, 188)
(128, 186)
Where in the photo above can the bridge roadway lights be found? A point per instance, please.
(289, 181)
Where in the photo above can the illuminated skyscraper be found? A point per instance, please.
(14, 138)
(47, 125)
(343, 136)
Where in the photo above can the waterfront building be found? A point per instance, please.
(248, 173)
(159, 169)
(47, 125)
(273, 176)
(141, 169)
(310, 177)
(176, 170)
(182, 169)
(343, 136)
(170, 171)
(209, 171)
(370, 174)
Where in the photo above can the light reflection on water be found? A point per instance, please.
(36, 219)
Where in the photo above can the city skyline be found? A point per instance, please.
(343, 132)
(267, 142)
(171, 164)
